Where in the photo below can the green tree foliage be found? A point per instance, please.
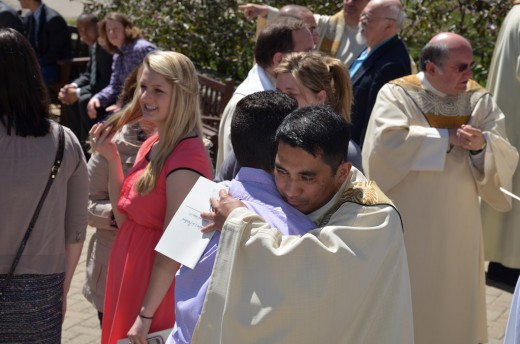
(477, 20)
(218, 39)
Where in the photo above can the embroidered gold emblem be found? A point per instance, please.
(361, 192)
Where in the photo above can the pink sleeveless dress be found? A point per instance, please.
(133, 253)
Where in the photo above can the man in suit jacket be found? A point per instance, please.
(385, 58)
(49, 35)
(76, 95)
(10, 18)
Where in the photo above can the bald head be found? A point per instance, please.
(390, 8)
(352, 10)
(303, 13)
(295, 11)
(380, 20)
(451, 40)
(447, 61)
(438, 49)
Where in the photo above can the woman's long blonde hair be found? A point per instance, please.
(317, 71)
(184, 111)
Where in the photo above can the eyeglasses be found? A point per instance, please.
(464, 66)
(369, 18)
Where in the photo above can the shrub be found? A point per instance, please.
(477, 20)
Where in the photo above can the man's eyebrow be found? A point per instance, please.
(307, 173)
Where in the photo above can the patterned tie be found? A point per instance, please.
(93, 66)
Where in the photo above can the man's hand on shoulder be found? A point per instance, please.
(221, 208)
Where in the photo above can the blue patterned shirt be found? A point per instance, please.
(130, 56)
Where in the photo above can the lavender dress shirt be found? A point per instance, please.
(256, 188)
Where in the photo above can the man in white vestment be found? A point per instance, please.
(337, 33)
(435, 144)
(502, 230)
(345, 282)
(281, 37)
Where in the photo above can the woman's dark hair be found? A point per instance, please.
(24, 99)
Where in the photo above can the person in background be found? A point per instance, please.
(33, 303)
(316, 78)
(309, 78)
(76, 95)
(385, 59)
(337, 33)
(49, 35)
(294, 11)
(10, 18)
(501, 230)
(167, 166)
(351, 270)
(438, 138)
(120, 37)
(280, 37)
(128, 140)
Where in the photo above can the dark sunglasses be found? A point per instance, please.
(464, 66)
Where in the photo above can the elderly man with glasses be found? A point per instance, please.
(385, 58)
(436, 144)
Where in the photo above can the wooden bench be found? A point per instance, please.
(214, 96)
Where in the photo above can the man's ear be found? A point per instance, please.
(343, 171)
(431, 68)
(277, 58)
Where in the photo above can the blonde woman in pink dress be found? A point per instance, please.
(167, 166)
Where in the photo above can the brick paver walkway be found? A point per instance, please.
(81, 324)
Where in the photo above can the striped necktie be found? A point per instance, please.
(93, 64)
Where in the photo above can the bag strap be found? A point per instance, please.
(54, 171)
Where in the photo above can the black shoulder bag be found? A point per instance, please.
(54, 171)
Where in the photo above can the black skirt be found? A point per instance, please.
(31, 309)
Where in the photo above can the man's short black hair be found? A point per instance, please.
(253, 127)
(88, 18)
(319, 131)
(276, 38)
